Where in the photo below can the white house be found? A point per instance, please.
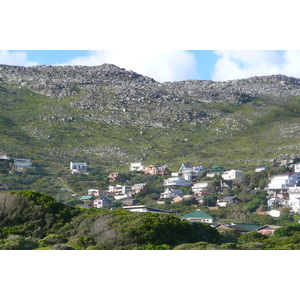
(232, 175)
(297, 167)
(198, 216)
(93, 192)
(228, 201)
(171, 193)
(77, 167)
(4, 156)
(176, 181)
(144, 208)
(280, 184)
(136, 166)
(280, 201)
(261, 168)
(188, 172)
(100, 202)
(122, 196)
(201, 186)
(21, 164)
(294, 198)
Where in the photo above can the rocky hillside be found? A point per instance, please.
(111, 116)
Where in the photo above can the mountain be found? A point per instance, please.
(109, 117)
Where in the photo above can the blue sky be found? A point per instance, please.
(170, 65)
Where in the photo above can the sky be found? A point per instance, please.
(170, 65)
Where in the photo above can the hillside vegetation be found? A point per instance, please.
(108, 117)
(32, 220)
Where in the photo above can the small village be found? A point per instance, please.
(190, 183)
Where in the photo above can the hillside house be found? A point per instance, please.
(140, 187)
(228, 201)
(280, 184)
(4, 156)
(114, 176)
(277, 202)
(267, 229)
(130, 202)
(77, 167)
(297, 167)
(122, 196)
(239, 227)
(203, 186)
(261, 168)
(294, 199)
(136, 166)
(101, 202)
(144, 208)
(176, 181)
(189, 172)
(170, 193)
(22, 164)
(119, 189)
(198, 216)
(156, 170)
(232, 175)
(93, 192)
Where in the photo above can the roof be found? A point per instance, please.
(229, 198)
(245, 227)
(268, 227)
(197, 214)
(153, 209)
(86, 197)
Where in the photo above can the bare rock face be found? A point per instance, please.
(112, 95)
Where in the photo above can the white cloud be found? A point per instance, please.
(169, 65)
(243, 64)
(16, 58)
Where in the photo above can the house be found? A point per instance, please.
(232, 175)
(176, 181)
(115, 176)
(238, 227)
(21, 164)
(279, 202)
(180, 198)
(202, 186)
(280, 184)
(4, 156)
(228, 184)
(122, 196)
(228, 201)
(129, 202)
(100, 202)
(119, 189)
(3, 186)
(297, 167)
(267, 229)
(170, 193)
(140, 187)
(77, 167)
(188, 172)
(156, 170)
(261, 168)
(294, 198)
(93, 192)
(198, 216)
(136, 166)
(144, 208)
